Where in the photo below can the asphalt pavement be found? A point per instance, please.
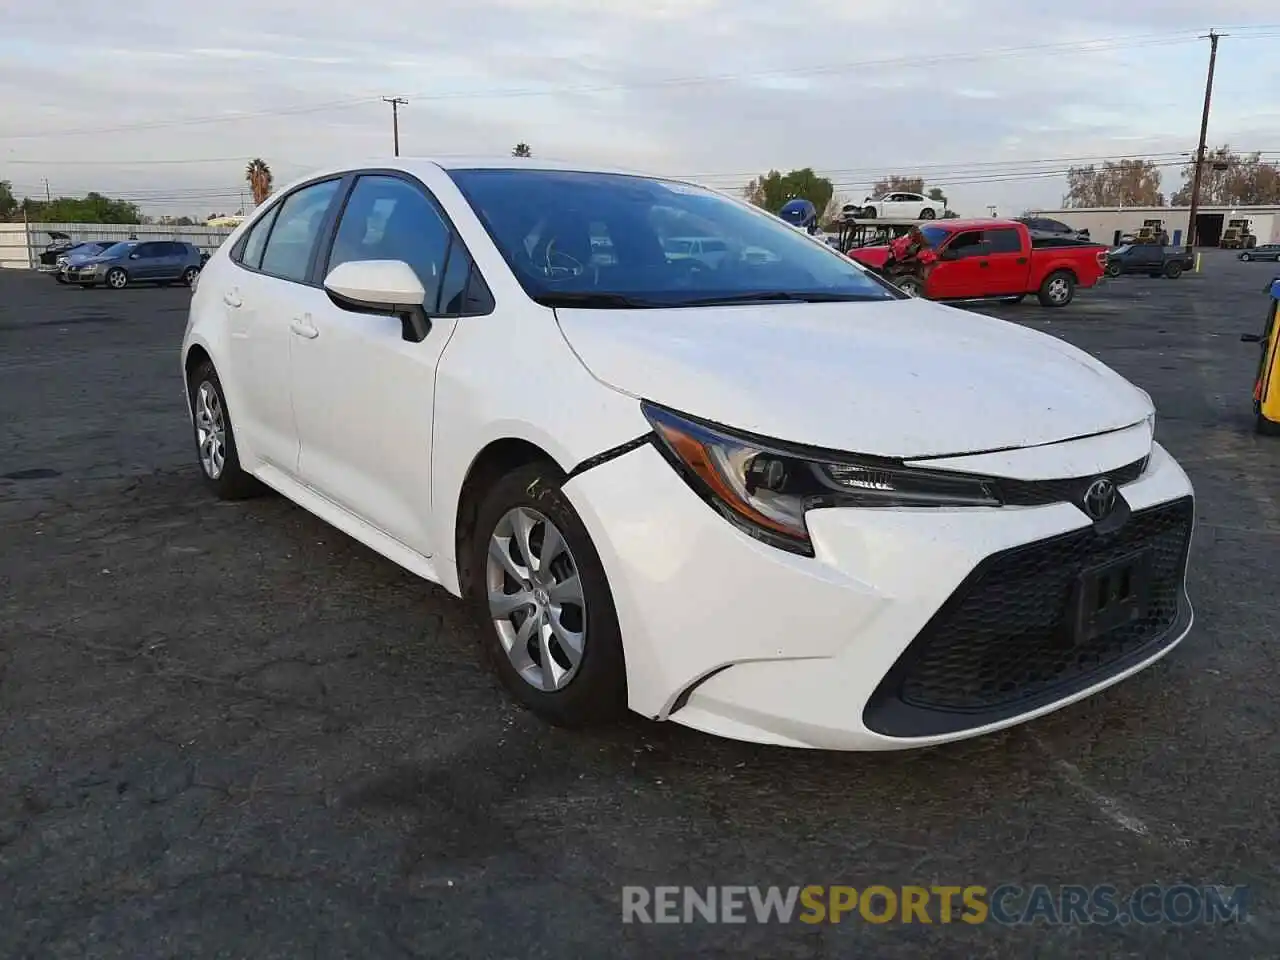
(227, 730)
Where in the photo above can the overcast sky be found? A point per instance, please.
(712, 89)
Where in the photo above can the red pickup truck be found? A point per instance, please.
(986, 259)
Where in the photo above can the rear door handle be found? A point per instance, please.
(303, 328)
(232, 299)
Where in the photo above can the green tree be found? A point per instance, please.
(92, 208)
(774, 189)
(935, 193)
(522, 149)
(8, 203)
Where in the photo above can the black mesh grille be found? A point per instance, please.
(1002, 644)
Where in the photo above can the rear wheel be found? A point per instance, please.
(1173, 270)
(215, 438)
(1058, 289)
(927, 214)
(551, 630)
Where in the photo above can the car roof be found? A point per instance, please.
(974, 224)
(419, 165)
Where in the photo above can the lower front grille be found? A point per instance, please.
(1002, 644)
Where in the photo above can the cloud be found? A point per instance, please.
(849, 88)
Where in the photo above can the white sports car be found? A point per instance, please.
(770, 498)
(902, 206)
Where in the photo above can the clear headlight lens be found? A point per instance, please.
(766, 488)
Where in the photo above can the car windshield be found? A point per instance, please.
(933, 236)
(669, 244)
(119, 249)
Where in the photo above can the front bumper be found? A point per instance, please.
(869, 645)
(76, 274)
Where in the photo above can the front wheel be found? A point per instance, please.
(550, 628)
(910, 286)
(189, 275)
(1245, 256)
(117, 279)
(1058, 289)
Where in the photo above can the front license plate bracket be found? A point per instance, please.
(1110, 595)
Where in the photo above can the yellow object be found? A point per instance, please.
(1266, 388)
(1198, 262)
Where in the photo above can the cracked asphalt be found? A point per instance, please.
(227, 730)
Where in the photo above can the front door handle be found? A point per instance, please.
(983, 264)
(303, 328)
(1022, 259)
(232, 299)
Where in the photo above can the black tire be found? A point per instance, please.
(1245, 256)
(597, 692)
(927, 214)
(910, 286)
(189, 275)
(1057, 290)
(232, 483)
(1265, 427)
(1113, 270)
(116, 278)
(1173, 270)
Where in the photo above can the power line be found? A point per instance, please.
(1099, 45)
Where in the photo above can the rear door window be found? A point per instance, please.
(1003, 241)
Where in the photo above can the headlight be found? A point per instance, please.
(766, 488)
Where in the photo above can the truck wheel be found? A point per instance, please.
(1173, 270)
(1058, 289)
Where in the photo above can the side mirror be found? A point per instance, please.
(384, 287)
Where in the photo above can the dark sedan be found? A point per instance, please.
(1268, 251)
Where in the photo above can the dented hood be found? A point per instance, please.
(903, 378)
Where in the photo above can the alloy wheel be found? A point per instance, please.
(1058, 290)
(535, 599)
(116, 279)
(211, 430)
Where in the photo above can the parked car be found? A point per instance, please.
(774, 500)
(1050, 227)
(139, 261)
(904, 206)
(77, 254)
(59, 242)
(1150, 259)
(991, 259)
(1268, 251)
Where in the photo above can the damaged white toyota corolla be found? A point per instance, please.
(687, 460)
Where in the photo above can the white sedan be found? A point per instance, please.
(771, 499)
(902, 206)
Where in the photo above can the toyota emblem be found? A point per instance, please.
(1100, 498)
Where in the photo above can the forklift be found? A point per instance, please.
(1153, 231)
(1237, 236)
(1266, 385)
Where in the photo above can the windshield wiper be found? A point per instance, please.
(781, 296)
(598, 301)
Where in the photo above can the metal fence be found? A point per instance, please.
(22, 243)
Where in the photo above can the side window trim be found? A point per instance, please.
(273, 213)
(455, 237)
(267, 220)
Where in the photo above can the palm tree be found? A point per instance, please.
(258, 175)
(522, 149)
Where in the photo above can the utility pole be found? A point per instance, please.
(47, 195)
(1204, 133)
(396, 103)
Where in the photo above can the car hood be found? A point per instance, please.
(903, 378)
